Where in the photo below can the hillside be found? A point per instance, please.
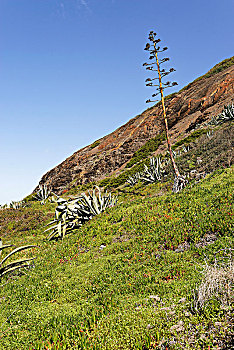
(128, 279)
(194, 104)
(152, 271)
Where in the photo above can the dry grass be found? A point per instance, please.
(217, 283)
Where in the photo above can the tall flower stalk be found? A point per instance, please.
(157, 82)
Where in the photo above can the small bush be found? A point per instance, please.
(149, 147)
(95, 144)
(191, 138)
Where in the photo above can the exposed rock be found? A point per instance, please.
(193, 105)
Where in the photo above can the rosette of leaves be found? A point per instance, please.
(16, 264)
(133, 180)
(72, 214)
(154, 172)
(42, 194)
(17, 205)
(226, 115)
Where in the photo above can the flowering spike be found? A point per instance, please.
(154, 51)
(147, 46)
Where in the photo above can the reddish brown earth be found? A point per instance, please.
(196, 103)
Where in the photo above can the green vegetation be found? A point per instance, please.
(216, 69)
(149, 147)
(191, 138)
(127, 279)
(224, 117)
(95, 144)
(114, 182)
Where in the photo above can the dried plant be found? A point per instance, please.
(217, 283)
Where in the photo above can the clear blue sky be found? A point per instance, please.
(71, 72)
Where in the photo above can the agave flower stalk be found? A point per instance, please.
(160, 86)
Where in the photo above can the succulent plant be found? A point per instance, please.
(153, 173)
(42, 194)
(226, 115)
(210, 134)
(17, 205)
(179, 183)
(71, 214)
(185, 149)
(16, 264)
(133, 180)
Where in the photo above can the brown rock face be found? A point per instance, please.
(196, 103)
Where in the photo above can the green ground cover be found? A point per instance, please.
(149, 147)
(122, 280)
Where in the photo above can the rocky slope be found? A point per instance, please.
(194, 104)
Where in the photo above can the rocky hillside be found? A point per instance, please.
(194, 104)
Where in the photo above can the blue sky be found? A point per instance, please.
(71, 72)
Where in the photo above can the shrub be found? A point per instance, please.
(153, 173)
(191, 138)
(149, 147)
(226, 115)
(95, 144)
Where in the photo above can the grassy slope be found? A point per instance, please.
(81, 297)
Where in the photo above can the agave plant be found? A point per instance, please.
(17, 205)
(133, 180)
(185, 149)
(71, 214)
(154, 172)
(16, 264)
(210, 134)
(42, 194)
(226, 115)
